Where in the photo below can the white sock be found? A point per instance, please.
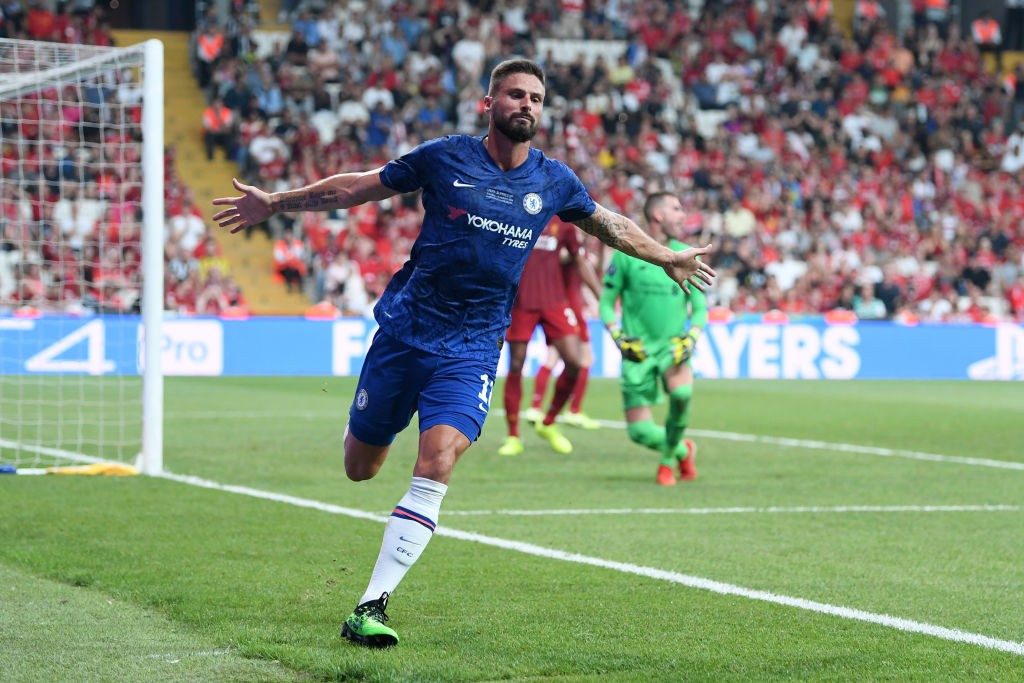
(406, 535)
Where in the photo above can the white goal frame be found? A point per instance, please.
(151, 459)
(92, 61)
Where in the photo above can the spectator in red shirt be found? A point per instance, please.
(40, 21)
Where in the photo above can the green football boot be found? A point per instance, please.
(513, 446)
(580, 421)
(555, 438)
(365, 626)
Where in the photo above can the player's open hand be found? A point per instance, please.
(252, 208)
(688, 270)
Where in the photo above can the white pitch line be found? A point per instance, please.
(46, 450)
(175, 658)
(80, 457)
(840, 447)
(250, 415)
(859, 449)
(810, 444)
(898, 623)
(736, 510)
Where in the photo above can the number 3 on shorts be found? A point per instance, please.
(570, 315)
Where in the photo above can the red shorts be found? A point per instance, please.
(557, 323)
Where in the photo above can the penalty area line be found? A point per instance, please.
(838, 509)
(172, 658)
(721, 588)
(837, 447)
(810, 444)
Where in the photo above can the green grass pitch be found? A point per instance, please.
(153, 579)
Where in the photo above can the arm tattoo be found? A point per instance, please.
(609, 227)
(311, 200)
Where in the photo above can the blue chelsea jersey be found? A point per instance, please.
(454, 295)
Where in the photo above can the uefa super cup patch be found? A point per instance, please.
(499, 196)
(533, 203)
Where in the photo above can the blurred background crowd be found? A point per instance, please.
(834, 166)
(71, 184)
(855, 169)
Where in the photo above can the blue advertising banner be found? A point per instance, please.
(295, 346)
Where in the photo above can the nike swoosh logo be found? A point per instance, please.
(459, 183)
(409, 541)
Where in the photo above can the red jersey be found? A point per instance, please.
(542, 285)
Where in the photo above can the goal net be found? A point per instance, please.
(81, 254)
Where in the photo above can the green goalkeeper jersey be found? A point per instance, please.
(654, 307)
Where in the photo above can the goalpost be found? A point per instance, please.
(81, 255)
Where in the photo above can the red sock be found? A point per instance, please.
(579, 390)
(563, 389)
(513, 397)
(540, 386)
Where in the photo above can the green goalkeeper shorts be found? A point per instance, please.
(643, 383)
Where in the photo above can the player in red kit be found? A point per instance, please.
(573, 274)
(542, 300)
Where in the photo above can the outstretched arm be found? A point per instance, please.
(340, 191)
(621, 233)
(631, 348)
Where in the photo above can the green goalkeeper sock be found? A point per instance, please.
(678, 419)
(647, 434)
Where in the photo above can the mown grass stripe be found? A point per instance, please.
(898, 623)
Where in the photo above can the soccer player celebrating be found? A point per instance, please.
(575, 271)
(443, 315)
(660, 327)
(542, 300)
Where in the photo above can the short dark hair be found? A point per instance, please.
(514, 66)
(652, 203)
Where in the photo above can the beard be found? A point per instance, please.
(516, 128)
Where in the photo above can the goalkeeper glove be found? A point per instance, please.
(630, 347)
(682, 347)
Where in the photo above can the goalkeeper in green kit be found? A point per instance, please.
(660, 327)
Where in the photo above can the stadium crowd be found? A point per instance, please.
(861, 170)
(71, 188)
(873, 172)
